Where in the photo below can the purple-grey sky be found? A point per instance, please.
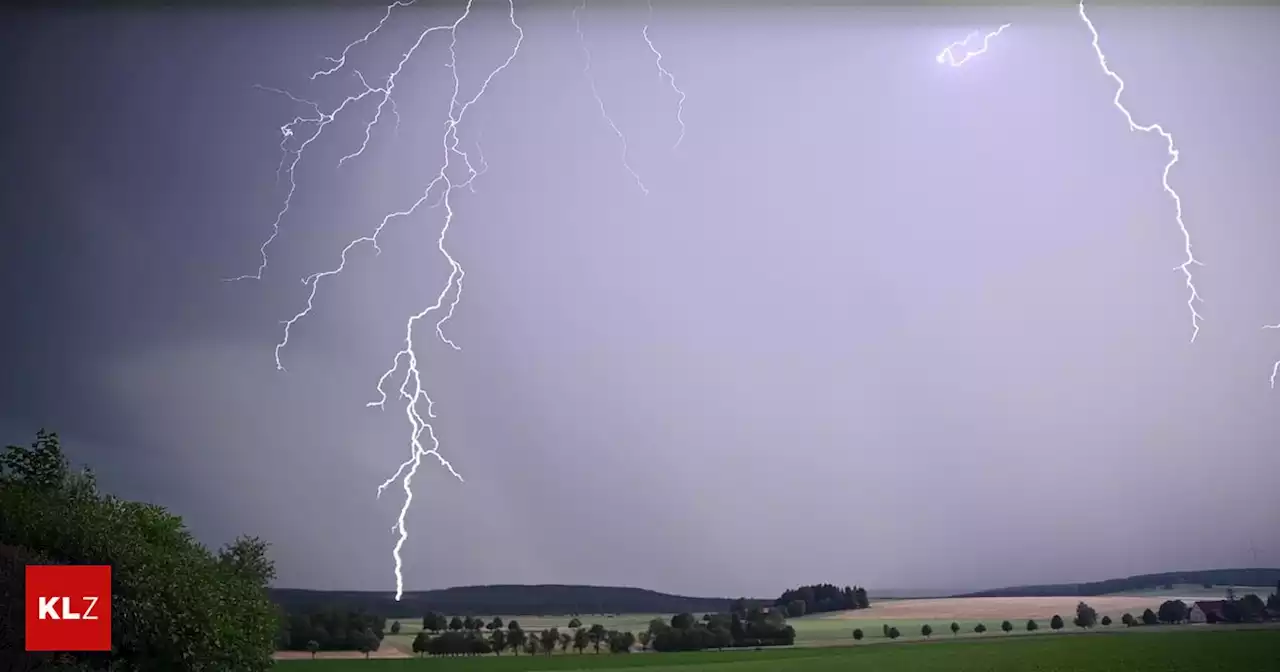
(878, 320)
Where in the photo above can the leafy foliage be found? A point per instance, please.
(822, 597)
(176, 606)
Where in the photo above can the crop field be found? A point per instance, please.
(835, 629)
(1191, 649)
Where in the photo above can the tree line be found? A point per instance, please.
(545, 600)
(331, 629)
(176, 605)
(1249, 576)
(472, 636)
(819, 598)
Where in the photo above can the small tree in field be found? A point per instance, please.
(1032, 626)
(1106, 620)
(979, 628)
(395, 627)
(1086, 616)
(955, 628)
(313, 647)
(857, 634)
(1149, 617)
(885, 628)
(894, 634)
(1056, 623)
(1127, 619)
(926, 630)
(574, 623)
(1007, 627)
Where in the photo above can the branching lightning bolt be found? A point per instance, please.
(411, 389)
(948, 55)
(1185, 266)
(664, 74)
(595, 92)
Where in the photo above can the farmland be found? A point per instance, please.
(1189, 649)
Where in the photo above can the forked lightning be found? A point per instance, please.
(302, 131)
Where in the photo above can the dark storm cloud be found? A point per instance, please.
(920, 323)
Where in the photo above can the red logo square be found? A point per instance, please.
(68, 608)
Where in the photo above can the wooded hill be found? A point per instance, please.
(507, 600)
(1253, 576)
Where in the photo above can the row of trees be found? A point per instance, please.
(818, 598)
(331, 630)
(473, 641)
(753, 627)
(176, 605)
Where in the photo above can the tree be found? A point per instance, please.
(420, 643)
(980, 628)
(955, 628)
(1127, 620)
(645, 637)
(1032, 626)
(565, 640)
(1149, 617)
(495, 624)
(574, 623)
(926, 630)
(894, 634)
(455, 624)
(531, 645)
(1086, 616)
(795, 608)
(1106, 620)
(857, 634)
(498, 640)
(435, 622)
(884, 627)
(176, 605)
(1172, 611)
(679, 621)
(1007, 627)
(368, 643)
(515, 637)
(395, 627)
(581, 639)
(313, 647)
(1056, 623)
(597, 634)
(621, 642)
(549, 639)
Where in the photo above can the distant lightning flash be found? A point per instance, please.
(948, 55)
(1185, 266)
(411, 389)
(591, 81)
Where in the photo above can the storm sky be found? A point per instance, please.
(878, 321)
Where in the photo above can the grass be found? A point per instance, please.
(1189, 649)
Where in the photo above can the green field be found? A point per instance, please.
(1185, 650)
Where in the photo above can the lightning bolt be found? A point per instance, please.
(419, 407)
(1275, 368)
(664, 74)
(1185, 266)
(595, 92)
(948, 55)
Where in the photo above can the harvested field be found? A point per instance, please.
(386, 651)
(998, 608)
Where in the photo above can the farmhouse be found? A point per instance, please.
(1207, 611)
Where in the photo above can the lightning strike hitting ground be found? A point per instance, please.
(1185, 266)
(411, 389)
(591, 81)
(948, 55)
(664, 74)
